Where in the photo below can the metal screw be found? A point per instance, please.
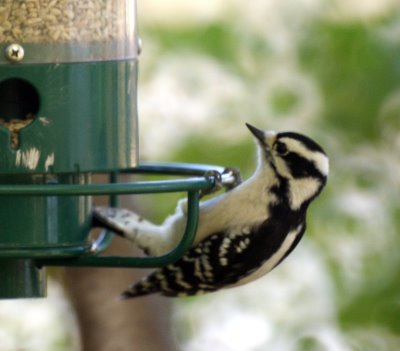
(15, 52)
(139, 45)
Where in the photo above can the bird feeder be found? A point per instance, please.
(68, 92)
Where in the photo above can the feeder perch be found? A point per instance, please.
(68, 92)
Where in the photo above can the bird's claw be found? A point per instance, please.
(212, 174)
(228, 179)
(234, 178)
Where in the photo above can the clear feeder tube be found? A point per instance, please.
(61, 31)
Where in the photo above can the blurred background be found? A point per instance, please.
(327, 68)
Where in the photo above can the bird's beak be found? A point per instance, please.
(258, 133)
(265, 138)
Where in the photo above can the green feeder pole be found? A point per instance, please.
(21, 278)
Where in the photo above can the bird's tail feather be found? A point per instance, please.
(144, 287)
(119, 220)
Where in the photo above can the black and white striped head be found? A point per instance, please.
(296, 159)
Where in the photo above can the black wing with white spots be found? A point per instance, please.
(221, 260)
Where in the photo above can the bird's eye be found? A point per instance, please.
(281, 149)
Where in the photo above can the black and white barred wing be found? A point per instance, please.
(221, 260)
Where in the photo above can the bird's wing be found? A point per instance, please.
(216, 262)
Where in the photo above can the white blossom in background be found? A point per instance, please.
(40, 324)
(181, 13)
(185, 94)
(293, 303)
(344, 10)
(192, 94)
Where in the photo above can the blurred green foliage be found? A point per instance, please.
(356, 70)
(216, 39)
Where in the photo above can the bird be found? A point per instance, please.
(243, 233)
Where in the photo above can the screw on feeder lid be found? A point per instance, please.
(139, 45)
(15, 52)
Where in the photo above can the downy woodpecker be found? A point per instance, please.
(243, 233)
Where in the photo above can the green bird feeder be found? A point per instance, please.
(68, 110)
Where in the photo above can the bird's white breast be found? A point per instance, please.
(245, 205)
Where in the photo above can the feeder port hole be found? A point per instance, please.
(19, 105)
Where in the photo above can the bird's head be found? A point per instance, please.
(295, 158)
